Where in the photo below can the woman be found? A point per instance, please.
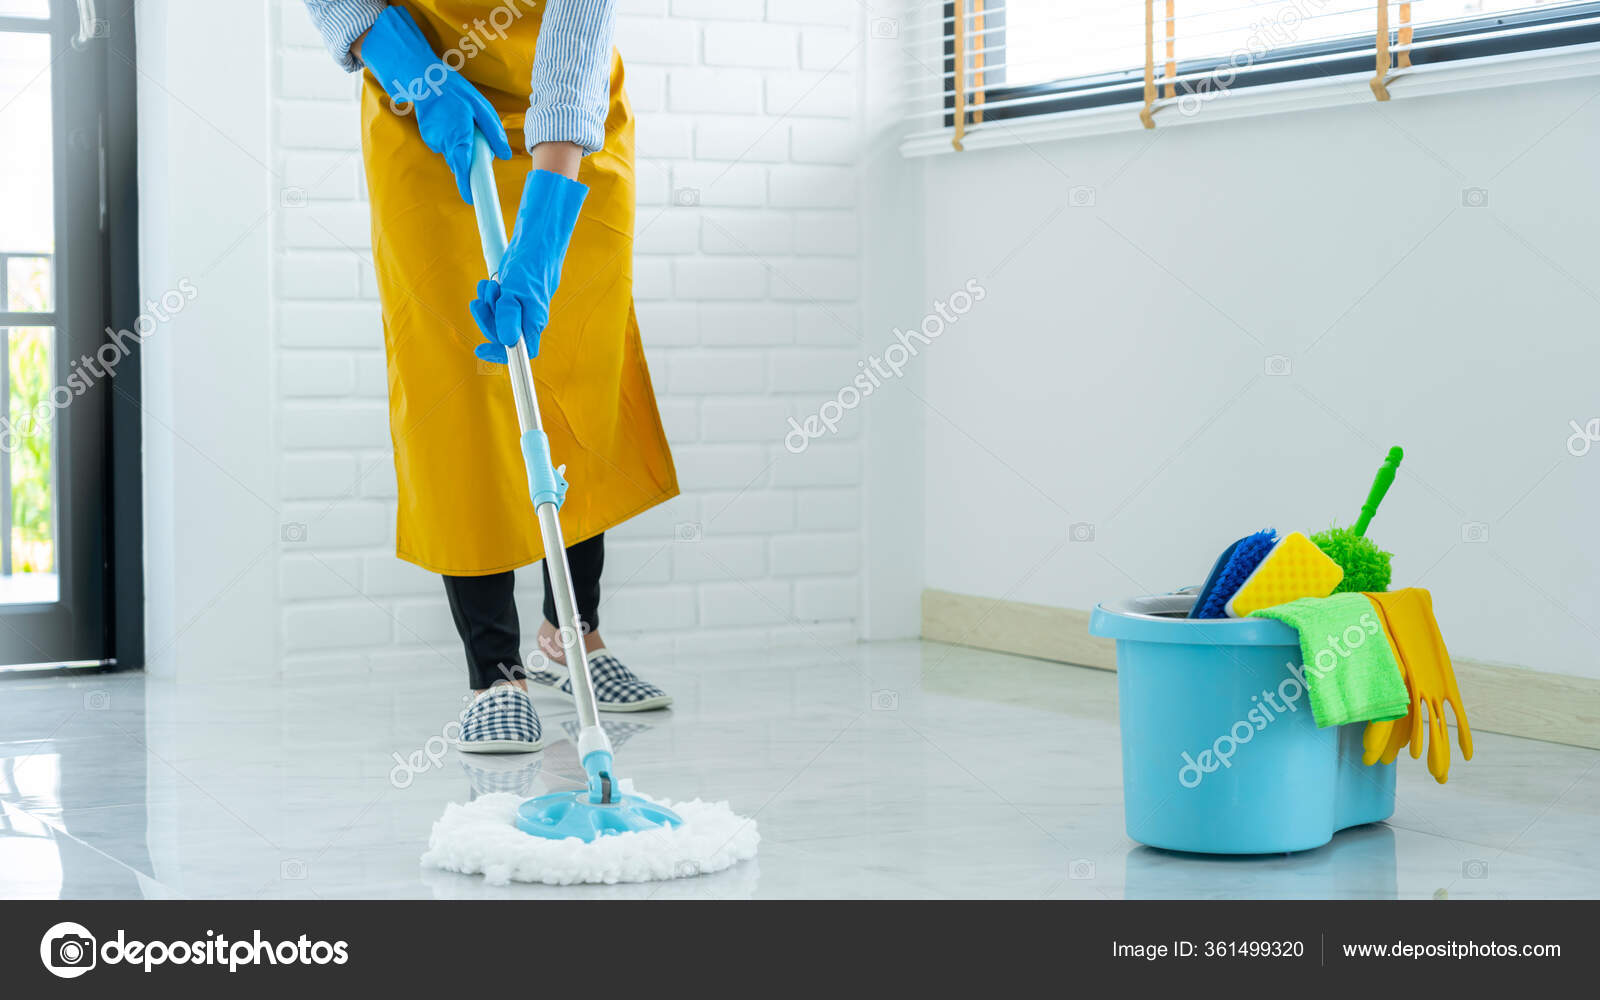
(437, 70)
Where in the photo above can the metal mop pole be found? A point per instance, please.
(591, 738)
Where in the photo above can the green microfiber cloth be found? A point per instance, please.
(1350, 671)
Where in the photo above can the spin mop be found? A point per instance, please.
(603, 832)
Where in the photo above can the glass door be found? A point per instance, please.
(53, 427)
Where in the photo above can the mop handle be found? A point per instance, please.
(492, 232)
(1380, 486)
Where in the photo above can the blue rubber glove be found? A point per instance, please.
(446, 105)
(518, 304)
(483, 313)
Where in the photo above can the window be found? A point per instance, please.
(1024, 58)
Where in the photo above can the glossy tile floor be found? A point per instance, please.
(889, 770)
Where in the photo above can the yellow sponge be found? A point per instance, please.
(1295, 568)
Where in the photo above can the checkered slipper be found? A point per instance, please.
(616, 689)
(502, 720)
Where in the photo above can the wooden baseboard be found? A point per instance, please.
(1535, 705)
(1036, 630)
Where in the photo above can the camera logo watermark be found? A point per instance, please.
(69, 950)
(873, 374)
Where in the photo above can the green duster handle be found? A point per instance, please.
(1380, 486)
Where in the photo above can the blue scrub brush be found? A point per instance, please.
(1230, 571)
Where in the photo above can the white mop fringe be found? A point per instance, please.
(481, 837)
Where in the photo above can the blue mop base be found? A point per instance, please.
(571, 814)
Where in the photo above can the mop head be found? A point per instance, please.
(481, 837)
(1366, 567)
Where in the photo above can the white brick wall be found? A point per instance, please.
(747, 288)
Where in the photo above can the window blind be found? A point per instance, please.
(973, 64)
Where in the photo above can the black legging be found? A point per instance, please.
(485, 610)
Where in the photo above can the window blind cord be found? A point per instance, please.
(961, 76)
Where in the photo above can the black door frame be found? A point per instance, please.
(94, 113)
(125, 498)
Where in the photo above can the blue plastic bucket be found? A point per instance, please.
(1220, 753)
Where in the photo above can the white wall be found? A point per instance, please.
(749, 304)
(205, 190)
(893, 418)
(1117, 373)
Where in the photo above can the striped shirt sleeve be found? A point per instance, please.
(341, 22)
(572, 74)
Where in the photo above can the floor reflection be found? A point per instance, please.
(1357, 864)
(873, 771)
(54, 778)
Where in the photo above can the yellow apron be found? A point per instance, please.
(464, 507)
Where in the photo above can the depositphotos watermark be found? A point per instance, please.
(432, 753)
(1583, 437)
(478, 35)
(1267, 709)
(873, 375)
(1281, 29)
(69, 950)
(89, 369)
(433, 750)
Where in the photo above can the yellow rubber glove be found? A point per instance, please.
(1407, 617)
